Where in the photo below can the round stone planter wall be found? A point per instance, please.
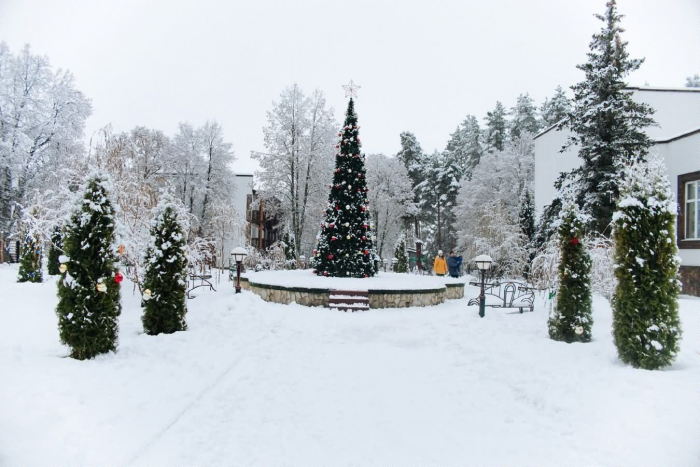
(377, 298)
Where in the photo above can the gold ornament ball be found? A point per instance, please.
(101, 287)
(63, 268)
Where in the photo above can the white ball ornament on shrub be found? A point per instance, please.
(147, 294)
(101, 287)
(348, 237)
(62, 268)
(579, 330)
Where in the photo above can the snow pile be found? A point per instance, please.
(383, 281)
(256, 383)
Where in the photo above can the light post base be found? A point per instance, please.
(238, 289)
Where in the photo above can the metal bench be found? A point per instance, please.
(203, 282)
(510, 294)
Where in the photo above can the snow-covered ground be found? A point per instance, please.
(253, 383)
(382, 281)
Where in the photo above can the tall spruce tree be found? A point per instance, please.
(556, 109)
(165, 282)
(345, 246)
(412, 157)
(30, 259)
(572, 319)
(401, 254)
(464, 146)
(88, 292)
(496, 125)
(524, 117)
(646, 326)
(55, 251)
(607, 124)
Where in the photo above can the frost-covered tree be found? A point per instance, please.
(165, 281)
(693, 81)
(607, 124)
(413, 158)
(556, 109)
(523, 117)
(401, 254)
(464, 145)
(89, 291)
(217, 177)
(299, 161)
(488, 207)
(55, 249)
(526, 219)
(496, 127)
(42, 116)
(345, 245)
(646, 325)
(572, 318)
(390, 196)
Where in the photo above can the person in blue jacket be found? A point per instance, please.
(453, 264)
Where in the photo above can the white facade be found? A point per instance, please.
(242, 188)
(677, 138)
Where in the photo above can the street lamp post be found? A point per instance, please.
(393, 263)
(238, 254)
(302, 260)
(483, 263)
(386, 263)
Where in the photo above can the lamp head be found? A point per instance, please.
(483, 262)
(238, 254)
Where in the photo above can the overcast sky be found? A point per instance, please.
(423, 66)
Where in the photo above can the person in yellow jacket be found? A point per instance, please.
(440, 264)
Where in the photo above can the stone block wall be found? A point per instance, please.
(455, 291)
(690, 278)
(307, 297)
(406, 298)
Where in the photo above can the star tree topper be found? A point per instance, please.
(351, 90)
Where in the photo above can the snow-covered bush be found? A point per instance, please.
(572, 318)
(165, 280)
(646, 326)
(602, 252)
(401, 254)
(31, 253)
(88, 291)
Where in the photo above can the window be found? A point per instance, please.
(688, 228)
(692, 210)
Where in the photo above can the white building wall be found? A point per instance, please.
(549, 163)
(682, 156)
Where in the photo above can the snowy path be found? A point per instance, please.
(252, 383)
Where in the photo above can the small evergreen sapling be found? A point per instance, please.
(30, 262)
(165, 282)
(401, 255)
(646, 326)
(571, 320)
(54, 252)
(89, 291)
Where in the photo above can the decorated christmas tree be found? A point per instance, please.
(88, 290)
(55, 251)
(401, 255)
(165, 281)
(646, 326)
(345, 247)
(572, 319)
(30, 261)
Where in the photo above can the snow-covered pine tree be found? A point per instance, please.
(496, 125)
(556, 109)
(646, 326)
(165, 282)
(30, 261)
(89, 291)
(572, 318)
(345, 245)
(524, 117)
(607, 124)
(401, 254)
(412, 156)
(526, 219)
(464, 145)
(55, 251)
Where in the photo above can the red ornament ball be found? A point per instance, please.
(574, 241)
(330, 256)
(315, 252)
(364, 238)
(366, 252)
(118, 278)
(363, 209)
(325, 273)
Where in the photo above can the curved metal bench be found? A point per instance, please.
(511, 294)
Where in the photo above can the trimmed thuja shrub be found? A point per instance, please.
(646, 326)
(401, 255)
(54, 252)
(30, 261)
(88, 290)
(165, 281)
(571, 320)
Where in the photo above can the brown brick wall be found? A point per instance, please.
(690, 277)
